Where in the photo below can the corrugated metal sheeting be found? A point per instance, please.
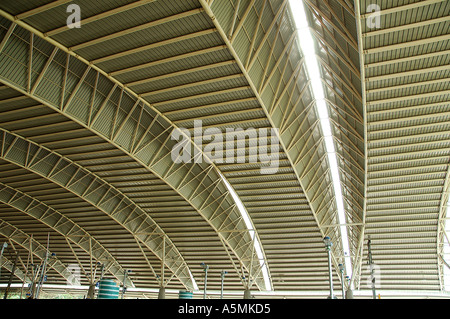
(102, 99)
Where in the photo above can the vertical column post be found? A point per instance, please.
(205, 269)
(328, 244)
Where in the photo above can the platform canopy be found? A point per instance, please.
(148, 137)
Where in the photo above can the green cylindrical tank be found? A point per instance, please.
(108, 289)
(184, 294)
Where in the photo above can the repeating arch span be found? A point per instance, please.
(92, 189)
(26, 241)
(63, 225)
(98, 102)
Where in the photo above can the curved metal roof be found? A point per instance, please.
(87, 116)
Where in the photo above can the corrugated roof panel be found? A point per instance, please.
(407, 140)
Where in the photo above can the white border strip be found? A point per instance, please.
(308, 48)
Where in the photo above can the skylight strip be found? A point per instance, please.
(252, 231)
(193, 280)
(308, 48)
(447, 249)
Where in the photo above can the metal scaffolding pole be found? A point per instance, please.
(44, 267)
(341, 269)
(35, 275)
(124, 287)
(5, 296)
(222, 277)
(26, 272)
(205, 268)
(328, 244)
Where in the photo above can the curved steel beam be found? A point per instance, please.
(96, 191)
(356, 278)
(314, 188)
(285, 140)
(443, 208)
(30, 244)
(8, 265)
(61, 224)
(100, 103)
